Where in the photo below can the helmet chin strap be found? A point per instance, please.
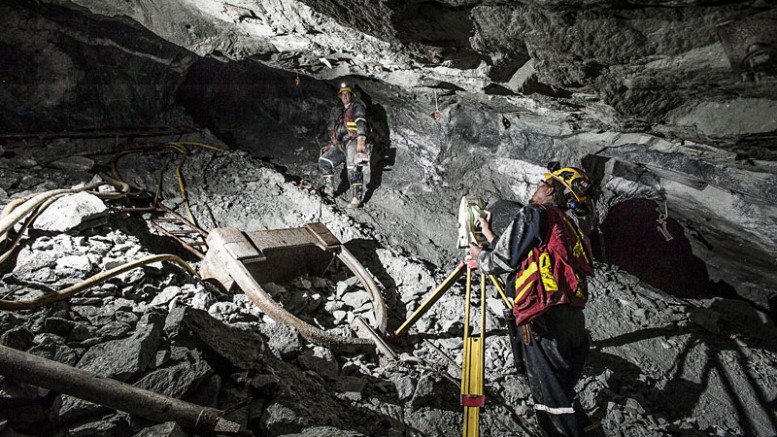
(579, 208)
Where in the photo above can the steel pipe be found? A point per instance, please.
(42, 372)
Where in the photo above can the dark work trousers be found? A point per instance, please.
(554, 364)
(337, 155)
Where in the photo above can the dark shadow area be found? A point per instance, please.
(131, 224)
(756, 146)
(449, 86)
(106, 86)
(504, 71)
(534, 86)
(632, 239)
(441, 30)
(271, 113)
(680, 396)
(383, 156)
(498, 90)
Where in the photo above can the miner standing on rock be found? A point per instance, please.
(548, 259)
(348, 144)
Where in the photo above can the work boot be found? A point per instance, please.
(356, 192)
(329, 186)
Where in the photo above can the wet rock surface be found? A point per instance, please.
(660, 365)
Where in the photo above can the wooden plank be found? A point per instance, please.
(325, 238)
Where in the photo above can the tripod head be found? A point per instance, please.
(470, 208)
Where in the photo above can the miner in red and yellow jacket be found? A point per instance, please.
(348, 144)
(547, 260)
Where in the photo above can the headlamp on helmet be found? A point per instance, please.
(344, 87)
(576, 182)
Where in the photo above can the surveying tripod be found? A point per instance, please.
(472, 375)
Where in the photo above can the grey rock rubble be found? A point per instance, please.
(660, 365)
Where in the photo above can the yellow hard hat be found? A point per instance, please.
(574, 179)
(344, 87)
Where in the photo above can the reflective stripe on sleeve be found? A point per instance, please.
(503, 265)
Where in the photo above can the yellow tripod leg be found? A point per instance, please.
(472, 392)
(497, 281)
(431, 300)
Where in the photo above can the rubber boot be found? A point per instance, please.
(356, 192)
(329, 186)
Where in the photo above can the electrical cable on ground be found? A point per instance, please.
(31, 212)
(180, 147)
(158, 193)
(28, 208)
(27, 222)
(13, 305)
(117, 176)
(19, 210)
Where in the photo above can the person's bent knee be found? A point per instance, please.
(325, 166)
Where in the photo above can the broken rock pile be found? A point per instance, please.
(659, 365)
(160, 329)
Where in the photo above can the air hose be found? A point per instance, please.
(27, 222)
(31, 206)
(12, 305)
(180, 147)
(15, 211)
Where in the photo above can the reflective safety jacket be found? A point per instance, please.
(554, 272)
(351, 123)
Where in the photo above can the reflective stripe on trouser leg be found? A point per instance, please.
(553, 365)
(551, 410)
(552, 405)
(329, 160)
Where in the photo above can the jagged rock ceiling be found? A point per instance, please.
(685, 69)
(672, 101)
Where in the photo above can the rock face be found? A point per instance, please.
(667, 101)
(668, 104)
(73, 212)
(663, 65)
(78, 70)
